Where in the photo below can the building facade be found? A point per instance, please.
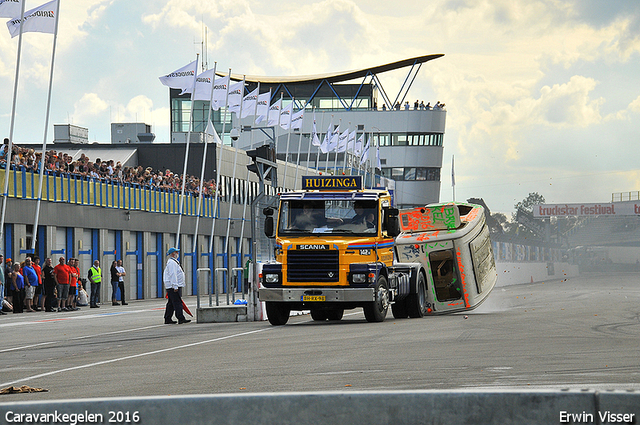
(410, 140)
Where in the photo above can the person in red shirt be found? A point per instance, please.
(40, 290)
(76, 268)
(73, 282)
(62, 274)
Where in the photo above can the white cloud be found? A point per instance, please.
(635, 105)
(89, 106)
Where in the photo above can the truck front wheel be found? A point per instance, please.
(277, 313)
(376, 311)
(417, 303)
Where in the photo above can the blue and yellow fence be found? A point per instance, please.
(74, 189)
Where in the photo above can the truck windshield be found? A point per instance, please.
(328, 216)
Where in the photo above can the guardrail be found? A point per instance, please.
(333, 408)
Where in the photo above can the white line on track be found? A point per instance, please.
(134, 356)
(28, 346)
(53, 319)
(80, 337)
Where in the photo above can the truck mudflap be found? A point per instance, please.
(317, 294)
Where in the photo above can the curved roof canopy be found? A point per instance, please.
(336, 77)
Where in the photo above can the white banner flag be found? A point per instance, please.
(342, 141)
(10, 8)
(219, 92)
(378, 163)
(39, 19)
(365, 154)
(203, 86)
(263, 106)
(333, 141)
(315, 140)
(324, 147)
(181, 78)
(285, 116)
(249, 104)
(351, 143)
(358, 148)
(236, 91)
(296, 119)
(274, 113)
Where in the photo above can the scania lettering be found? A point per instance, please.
(338, 249)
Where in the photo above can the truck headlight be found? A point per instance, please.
(359, 278)
(271, 278)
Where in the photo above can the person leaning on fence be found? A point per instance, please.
(173, 278)
(95, 277)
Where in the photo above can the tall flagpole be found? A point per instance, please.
(278, 127)
(204, 161)
(355, 140)
(295, 180)
(246, 192)
(46, 125)
(186, 152)
(330, 131)
(319, 151)
(286, 154)
(366, 171)
(233, 178)
(311, 138)
(7, 167)
(346, 149)
(216, 202)
(335, 162)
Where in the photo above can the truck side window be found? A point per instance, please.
(445, 275)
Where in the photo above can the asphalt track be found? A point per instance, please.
(581, 333)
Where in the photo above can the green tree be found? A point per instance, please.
(527, 203)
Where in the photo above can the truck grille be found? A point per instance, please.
(312, 266)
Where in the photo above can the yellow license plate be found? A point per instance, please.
(313, 298)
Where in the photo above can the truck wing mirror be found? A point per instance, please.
(268, 222)
(268, 227)
(392, 221)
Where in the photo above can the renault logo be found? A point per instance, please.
(330, 274)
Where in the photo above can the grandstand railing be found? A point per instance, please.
(625, 196)
(88, 191)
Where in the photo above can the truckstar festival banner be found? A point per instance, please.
(613, 209)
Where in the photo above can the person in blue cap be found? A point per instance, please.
(173, 278)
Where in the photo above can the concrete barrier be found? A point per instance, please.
(335, 408)
(222, 313)
(525, 272)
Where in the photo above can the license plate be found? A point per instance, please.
(313, 298)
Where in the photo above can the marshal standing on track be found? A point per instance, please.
(173, 278)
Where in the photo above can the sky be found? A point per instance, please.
(541, 95)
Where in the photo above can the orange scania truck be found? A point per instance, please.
(339, 246)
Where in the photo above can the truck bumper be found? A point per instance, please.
(330, 294)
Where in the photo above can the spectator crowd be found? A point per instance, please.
(417, 105)
(28, 287)
(59, 163)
